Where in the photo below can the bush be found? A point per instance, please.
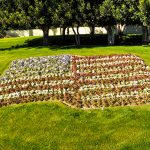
(100, 39)
(2, 34)
(129, 39)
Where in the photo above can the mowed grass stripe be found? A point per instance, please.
(51, 125)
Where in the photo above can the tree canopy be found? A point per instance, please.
(46, 14)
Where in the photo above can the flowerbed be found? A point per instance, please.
(84, 82)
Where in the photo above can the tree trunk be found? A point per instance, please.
(120, 29)
(31, 32)
(77, 36)
(68, 31)
(148, 33)
(145, 34)
(92, 29)
(45, 35)
(63, 31)
(111, 36)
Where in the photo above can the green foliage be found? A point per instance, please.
(92, 12)
(17, 13)
(45, 14)
(78, 14)
(107, 15)
(42, 12)
(131, 39)
(64, 15)
(13, 15)
(145, 12)
(126, 11)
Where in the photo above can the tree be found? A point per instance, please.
(78, 17)
(3, 17)
(71, 14)
(126, 13)
(42, 13)
(30, 14)
(133, 13)
(92, 13)
(64, 15)
(108, 20)
(144, 7)
(13, 15)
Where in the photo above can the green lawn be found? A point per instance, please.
(8, 52)
(51, 125)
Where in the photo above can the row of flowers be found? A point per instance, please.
(38, 66)
(83, 79)
(108, 64)
(83, 84)
(86, 61)
(45, 78)
(77, 80)
(107, 78)
(23, 80)
(104, 58)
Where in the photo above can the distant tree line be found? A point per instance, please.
(46, 14)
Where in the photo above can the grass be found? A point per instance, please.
(51, 125)
(9, 52)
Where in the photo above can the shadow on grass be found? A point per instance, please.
(58, 43)
(68, 42)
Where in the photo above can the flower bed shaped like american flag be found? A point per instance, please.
(79, 81)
